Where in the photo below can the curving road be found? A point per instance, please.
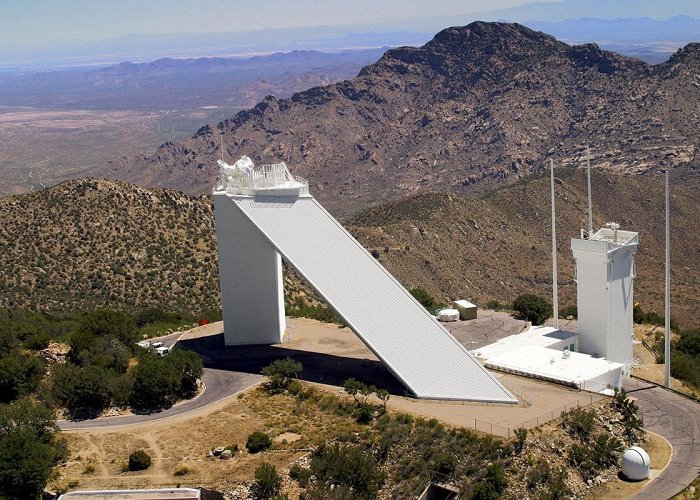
(677, 419)
(219, 384)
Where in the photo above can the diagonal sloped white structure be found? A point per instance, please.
(394, 326)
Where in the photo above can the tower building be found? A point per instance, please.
(605, 288)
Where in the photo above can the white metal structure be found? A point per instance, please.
(258, 221)
(446, 315)
(605, 279)
(635, 464)
(555, 282)
(550, 354)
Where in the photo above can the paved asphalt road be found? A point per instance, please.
(677, 419)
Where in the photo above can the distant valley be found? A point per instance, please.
(58, 124)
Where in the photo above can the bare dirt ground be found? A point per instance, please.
(97, 457)
(41, 147)
(331, 354)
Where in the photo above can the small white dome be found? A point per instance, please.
(635, 464)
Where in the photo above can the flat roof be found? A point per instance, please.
(464, 303)
(552, 364)
(542, 336)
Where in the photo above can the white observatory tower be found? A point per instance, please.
(605, 279)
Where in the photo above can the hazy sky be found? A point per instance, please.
(29, 22)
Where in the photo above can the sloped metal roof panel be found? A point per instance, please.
(410, 342)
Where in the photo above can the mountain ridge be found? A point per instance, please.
(97, 243)
(477, 106)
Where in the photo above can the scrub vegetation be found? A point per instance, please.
(86, 363)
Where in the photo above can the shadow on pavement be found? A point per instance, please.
(318, 367)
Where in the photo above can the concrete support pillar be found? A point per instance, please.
(250, 272)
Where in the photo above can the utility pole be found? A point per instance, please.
(667, 312)
(590, 203)
(555, 285)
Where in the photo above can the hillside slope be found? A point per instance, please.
(475, 107)
(88, 243)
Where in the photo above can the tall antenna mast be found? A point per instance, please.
(590, 203)
(667, 312)
(555, 285)
(221, 136)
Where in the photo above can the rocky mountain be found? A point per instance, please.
(88, 243)
(477, 106)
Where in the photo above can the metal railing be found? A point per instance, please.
(265, 177)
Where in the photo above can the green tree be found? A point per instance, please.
(267, 482)
(106, 323)
(424, 298)
(189, 366)
(258, 441)
(280, 373)
(27, 448)
(533, 307)
(156, 384)
(85, 391)
(19, 375)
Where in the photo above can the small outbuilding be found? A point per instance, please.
(467, 310)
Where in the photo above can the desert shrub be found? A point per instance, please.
(492, 484)
(181, 470)
(603, 451)
(579, 422)
(267, 481)
(538, 473)
(233, 447)
(139, 460)
(520, 437)
(606, 450)
(349, 467)
(551, 482)
(300, 474)
(258, 441)
(445, 463)
(363, 413)
(424, 298)
(494, 305)
(280, 373)
(628, 409)
(533, 307)
(569, 311)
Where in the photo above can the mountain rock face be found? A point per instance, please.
(476, 106)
